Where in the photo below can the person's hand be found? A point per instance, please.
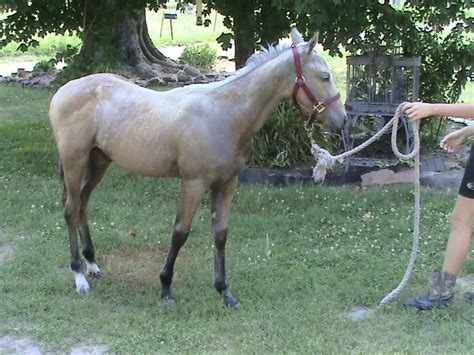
(418, 110)
(453, 140)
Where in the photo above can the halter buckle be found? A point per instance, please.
(319, 107)
(300, 80)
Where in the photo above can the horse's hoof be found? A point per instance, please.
(230, 301)
(83, 290)
(95, 275)
(93, 270)
(168, 300)
(81, 285)
(166, 296)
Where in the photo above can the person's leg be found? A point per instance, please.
(441, 289)
(462, 219)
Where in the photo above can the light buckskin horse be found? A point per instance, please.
(199, 133)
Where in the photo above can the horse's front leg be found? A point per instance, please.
(191, 195)
(220, 209)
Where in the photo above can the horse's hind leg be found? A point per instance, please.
(220, 210)
(191, 195)
(74, 168)
(97, 165)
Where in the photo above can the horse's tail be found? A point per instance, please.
(59, 165)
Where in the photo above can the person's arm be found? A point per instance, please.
(419, 110)
(454, 139)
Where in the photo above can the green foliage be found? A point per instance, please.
(48, 46)
(44, 66)
(298, 258)
(437, 31)
(283, 140)
(202, 56)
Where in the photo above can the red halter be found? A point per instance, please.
(300, 83)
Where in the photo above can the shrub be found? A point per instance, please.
(44, 66)
(283, 140)
(201, 56)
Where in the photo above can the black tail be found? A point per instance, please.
(59, 165)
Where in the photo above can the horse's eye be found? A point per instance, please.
(325, 76)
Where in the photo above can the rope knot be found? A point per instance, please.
(324, 161)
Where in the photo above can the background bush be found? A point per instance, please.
(202, 56)
(283, 141)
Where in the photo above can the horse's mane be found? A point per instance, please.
(264, 55)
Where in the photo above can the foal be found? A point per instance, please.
(199, 133)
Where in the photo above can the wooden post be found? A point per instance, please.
(198, 12)
(169, 13)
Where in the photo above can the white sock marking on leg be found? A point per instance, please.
(82, 286)
(92, 268)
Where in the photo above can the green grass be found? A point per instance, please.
(185, 30)
(297, 258)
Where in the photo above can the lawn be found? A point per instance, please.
(298, 257)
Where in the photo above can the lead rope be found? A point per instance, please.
(326, 161)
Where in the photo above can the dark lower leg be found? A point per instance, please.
(220, 280)
(88, 250)
(71, 216)
(191, 195)
(166, 275)
(71, 220)
(220, 209)
(97, 165)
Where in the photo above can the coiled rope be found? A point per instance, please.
(326, 161)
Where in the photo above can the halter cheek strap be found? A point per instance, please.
(300, 84)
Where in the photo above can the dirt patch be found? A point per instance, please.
(466, 282)
(5, 251)
(358, 312)
(138, 267)
(18, 345)
(88, 349)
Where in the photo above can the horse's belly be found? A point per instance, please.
(148, 162)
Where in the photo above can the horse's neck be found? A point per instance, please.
(257, 93)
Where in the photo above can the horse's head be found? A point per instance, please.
(314, 89)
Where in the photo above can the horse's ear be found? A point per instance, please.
(296, 36)
(312, 42)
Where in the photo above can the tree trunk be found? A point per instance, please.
(120, 38)
(244, 32)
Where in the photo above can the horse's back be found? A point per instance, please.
(91, 89)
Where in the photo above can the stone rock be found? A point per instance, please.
(156, 81)
(448, 179)
(358, 313)
(142, 83)
(83, 349)
(466, 282)
(386, 177)
(184, 78)
(5, 251)
(18, 345)
(169, 78)
(192, 71)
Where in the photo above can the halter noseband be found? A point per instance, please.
(300, 83)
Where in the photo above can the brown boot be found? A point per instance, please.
(440, 292)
